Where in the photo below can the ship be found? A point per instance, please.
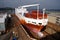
(34, 20)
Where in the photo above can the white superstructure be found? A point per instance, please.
(22, 9)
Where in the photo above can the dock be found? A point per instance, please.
(52, 31)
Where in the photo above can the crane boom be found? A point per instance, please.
(30, 5)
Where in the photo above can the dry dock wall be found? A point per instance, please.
(54, 19)
(50, 30)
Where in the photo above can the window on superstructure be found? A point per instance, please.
(34, 22)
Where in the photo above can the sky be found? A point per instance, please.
(48, 4)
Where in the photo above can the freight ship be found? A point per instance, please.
(34, 20)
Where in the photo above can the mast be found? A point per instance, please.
(43, 12)
(37, 11)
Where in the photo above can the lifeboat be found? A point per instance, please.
(34, 20)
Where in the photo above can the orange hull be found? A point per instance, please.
(33, 14)
(32, 27)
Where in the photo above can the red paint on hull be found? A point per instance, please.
(33, 15)
(32, 27)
